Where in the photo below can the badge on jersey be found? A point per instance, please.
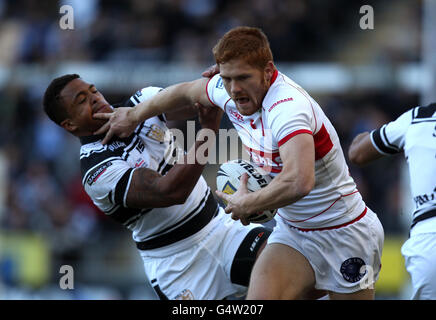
(351, 269)
(185, 295)
(156, 133)
(219, 84)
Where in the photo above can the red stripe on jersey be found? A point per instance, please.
(274, 77)
(225, 105)
(323, 143)
(318, 214)
(207, 93)
(293, 134)
(335, 227)
(263, 130)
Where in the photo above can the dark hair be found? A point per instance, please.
(52, 104)
(247, 43)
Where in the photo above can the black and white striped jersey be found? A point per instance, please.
(107, 171)
(414, 132)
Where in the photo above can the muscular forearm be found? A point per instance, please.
(361, 151)
(168, 100)
(282, 191)
(296, 179)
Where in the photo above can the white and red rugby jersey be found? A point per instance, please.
(288, 110)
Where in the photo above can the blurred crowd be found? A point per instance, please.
(185, 30)
(41, 188)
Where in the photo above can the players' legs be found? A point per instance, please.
(280, 272)
(366, 294)
(419, 252)
(248, 251)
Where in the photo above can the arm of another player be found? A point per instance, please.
(150, 189)
(123, 121)
(294, 182)
(362, 151)
(188, 111)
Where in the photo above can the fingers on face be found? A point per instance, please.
(102, 116)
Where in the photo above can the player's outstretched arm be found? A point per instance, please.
(362, 151)
(123, 121)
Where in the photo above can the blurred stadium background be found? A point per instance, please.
(361, 78)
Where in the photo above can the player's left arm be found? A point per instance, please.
(362, 151)
(296, 179)
(184, 113)
(294, 182)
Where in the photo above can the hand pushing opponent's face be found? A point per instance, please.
(245, 84)
(81, 100)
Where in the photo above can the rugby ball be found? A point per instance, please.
(228, 181)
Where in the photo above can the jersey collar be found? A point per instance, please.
(274, 77)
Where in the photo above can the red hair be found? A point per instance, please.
(248, 43)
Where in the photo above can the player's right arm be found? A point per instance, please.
(140, 188)
(150, 189)
(123, 121)
(362, 151)
(387, 140)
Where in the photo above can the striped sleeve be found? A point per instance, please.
(390, 138)
(216, 93)
(290, 114)
(145, 94)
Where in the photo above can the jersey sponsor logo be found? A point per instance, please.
(156, 133)
(219, 84)
(351, 269)
(116, 145)
(424, 198)
(278, 102)
(267, 161)
(139, 163)
(255, 241)
(186, 294)
(97, 172)
(236, 115)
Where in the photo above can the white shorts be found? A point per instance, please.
(344, 260)
(419, 252)
(201, 267)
